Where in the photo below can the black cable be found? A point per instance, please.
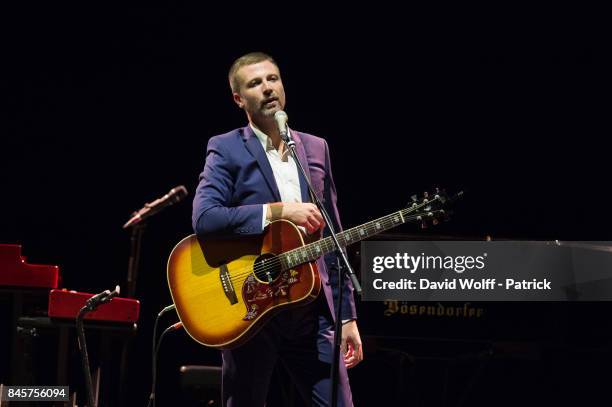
(171, 328)
(154, 350)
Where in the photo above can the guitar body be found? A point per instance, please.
(226, 289)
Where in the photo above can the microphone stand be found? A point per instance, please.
(134, 261)
(84, 355)
(341, 270)
(131, 280)
(90, 305)
(138, 222)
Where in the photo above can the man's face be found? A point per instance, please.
(261, 92)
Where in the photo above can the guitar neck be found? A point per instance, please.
(317, 249)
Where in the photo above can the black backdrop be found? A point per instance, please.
(105, 110)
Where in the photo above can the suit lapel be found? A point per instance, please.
(301, 153)
(254, 146)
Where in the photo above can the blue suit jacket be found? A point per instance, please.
(237, 180)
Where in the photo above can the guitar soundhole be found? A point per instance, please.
(267, 268)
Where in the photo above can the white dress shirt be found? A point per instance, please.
(285, 172)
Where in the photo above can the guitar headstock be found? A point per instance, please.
(431, 207)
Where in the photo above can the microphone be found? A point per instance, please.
(281, 121)
(111, 295)
(105, 296)
(93, 301)
(175, 195)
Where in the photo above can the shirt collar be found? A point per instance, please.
(266, 142)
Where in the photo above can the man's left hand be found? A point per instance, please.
(351, 344)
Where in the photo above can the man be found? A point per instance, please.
(249, 180)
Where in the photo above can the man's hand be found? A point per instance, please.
(351, 344)
(302, 214)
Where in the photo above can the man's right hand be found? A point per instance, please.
(302, 214)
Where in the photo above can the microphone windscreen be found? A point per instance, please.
(281, 120)
(178, 193)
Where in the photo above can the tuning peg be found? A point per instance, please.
(432, 216)
(440, 194)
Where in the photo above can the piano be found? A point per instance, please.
(17, 276)
(468, 354)
(16, 272)
(40, 336)
(67, 304)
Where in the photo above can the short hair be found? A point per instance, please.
(248, 59)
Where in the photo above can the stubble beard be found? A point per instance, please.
(268, 113)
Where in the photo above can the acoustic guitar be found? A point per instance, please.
(226, 289)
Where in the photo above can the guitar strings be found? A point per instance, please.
(275, 262)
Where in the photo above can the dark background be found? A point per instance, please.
(106, 109)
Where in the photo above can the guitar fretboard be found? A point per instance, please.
(314, 250)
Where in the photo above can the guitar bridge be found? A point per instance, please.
(226, 283)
